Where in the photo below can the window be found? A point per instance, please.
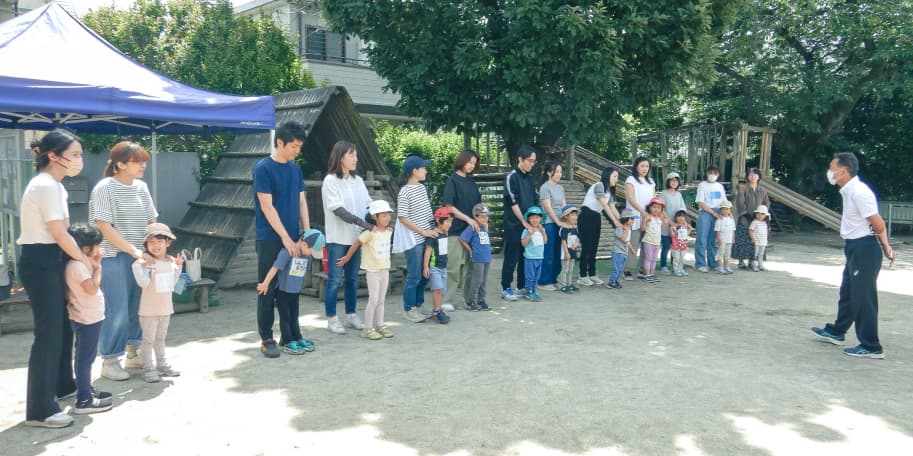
(322, 44)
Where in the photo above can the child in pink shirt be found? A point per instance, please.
(155, 306)
(86, 309)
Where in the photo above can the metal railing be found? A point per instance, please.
(901, 212)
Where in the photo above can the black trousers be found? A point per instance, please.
(513, 259)
(589, 227)
(50, 373)
(289, 329)
(267, 251)
(858, 302)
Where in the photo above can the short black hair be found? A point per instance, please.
(623, 220)
(526, 151)
(85, 235)
(289, 132)
(682, 213)
(712, 168)
(849, 161)
(441, 220)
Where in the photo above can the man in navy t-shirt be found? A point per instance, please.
(280, 213)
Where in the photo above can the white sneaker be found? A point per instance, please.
(424, 310)
(414, 315)
(335, 327)
(447, 307)
(112, 370)
(151, 376)
(547, 287)
(133, 360)
(584, 281)
(57, 420)
(665, 270)
(354, 322)
(596, 280)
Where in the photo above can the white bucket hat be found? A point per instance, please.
(379, 207)
(762, 209)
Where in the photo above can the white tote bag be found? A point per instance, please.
(192, 264)
(402, 238)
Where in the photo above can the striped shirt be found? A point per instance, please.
(413, 203)
(128, 208)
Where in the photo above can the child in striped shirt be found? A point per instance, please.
(757, 231)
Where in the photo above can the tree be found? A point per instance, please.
(205, 45)
(804, 67)
(542, 70)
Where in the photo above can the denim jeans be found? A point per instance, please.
(337, 275)
(551, 261)
(618, 266)
(533, 270)
(666, 242)
(414, 290)
(705, 243)
(121, 324)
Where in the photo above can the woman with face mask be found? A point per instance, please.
(121, 207)
(46, 248)
(710, 195)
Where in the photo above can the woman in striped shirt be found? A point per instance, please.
(121, 207)
(415, 223)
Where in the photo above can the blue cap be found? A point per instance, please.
(414, 162)
(314, 239)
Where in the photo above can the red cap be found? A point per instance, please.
(442, 212)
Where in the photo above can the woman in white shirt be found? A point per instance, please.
(600, 197)
(639, 190)
(46, 248)
(345, 202)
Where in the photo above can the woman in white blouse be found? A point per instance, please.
(639, 190)
(46, 248)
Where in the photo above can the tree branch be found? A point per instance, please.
(796, 44)
(742, 80)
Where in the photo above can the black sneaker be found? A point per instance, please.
(471, 307)
(101, 394)
(613, 285)
(484, 306)
(93, 405)
(440, 317)
(269, 349)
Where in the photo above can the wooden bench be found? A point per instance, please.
(320, 284)
(7, 324)
(200, 290)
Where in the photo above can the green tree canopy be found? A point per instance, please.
(804, 67)
(534, 69)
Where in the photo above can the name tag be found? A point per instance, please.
(537, 239)
(298, 267)
(571, 241)
(442, 246)
(381, 249)
(483, 238)
(683, 234)
(164, 282)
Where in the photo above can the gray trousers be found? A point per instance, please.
(567, 271)
(155, 329)
(478, 282)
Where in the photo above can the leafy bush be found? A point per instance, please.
(396, 142)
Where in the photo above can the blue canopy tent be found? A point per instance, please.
(56, 71)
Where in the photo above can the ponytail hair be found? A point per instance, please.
(56, 141)
(123, 152)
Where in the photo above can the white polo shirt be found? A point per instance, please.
(859, 203)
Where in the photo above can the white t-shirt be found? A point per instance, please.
(352, 195)
(760, 232)
(859, 203)
(726, 227)
(591, 199)
(44, 200)
(643, 193)
(711, 194)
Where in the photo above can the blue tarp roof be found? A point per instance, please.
(55, 70)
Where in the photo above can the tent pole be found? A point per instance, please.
(155, 182)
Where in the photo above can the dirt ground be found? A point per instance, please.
(702, 365)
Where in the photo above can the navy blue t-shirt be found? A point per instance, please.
(284, 181)
(572, 239)
(439, 252)
(479, 243)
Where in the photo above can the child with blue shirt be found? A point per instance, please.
(533, 242)
(290, 271)
(479, 248)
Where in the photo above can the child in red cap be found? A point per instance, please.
(436, 271)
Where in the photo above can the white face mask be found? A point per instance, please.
(830, 178)
(73, 166)
(711, 178)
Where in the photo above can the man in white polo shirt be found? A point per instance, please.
(863, 230)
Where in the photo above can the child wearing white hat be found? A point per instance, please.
(725, 235)
(757, 231)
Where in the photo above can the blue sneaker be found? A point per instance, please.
(440, 317)
(533, 296)
(828, 336)
(307, 345)
(860, 352)
(508, 295)
(293, 348)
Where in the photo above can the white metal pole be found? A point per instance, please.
(155, 182)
